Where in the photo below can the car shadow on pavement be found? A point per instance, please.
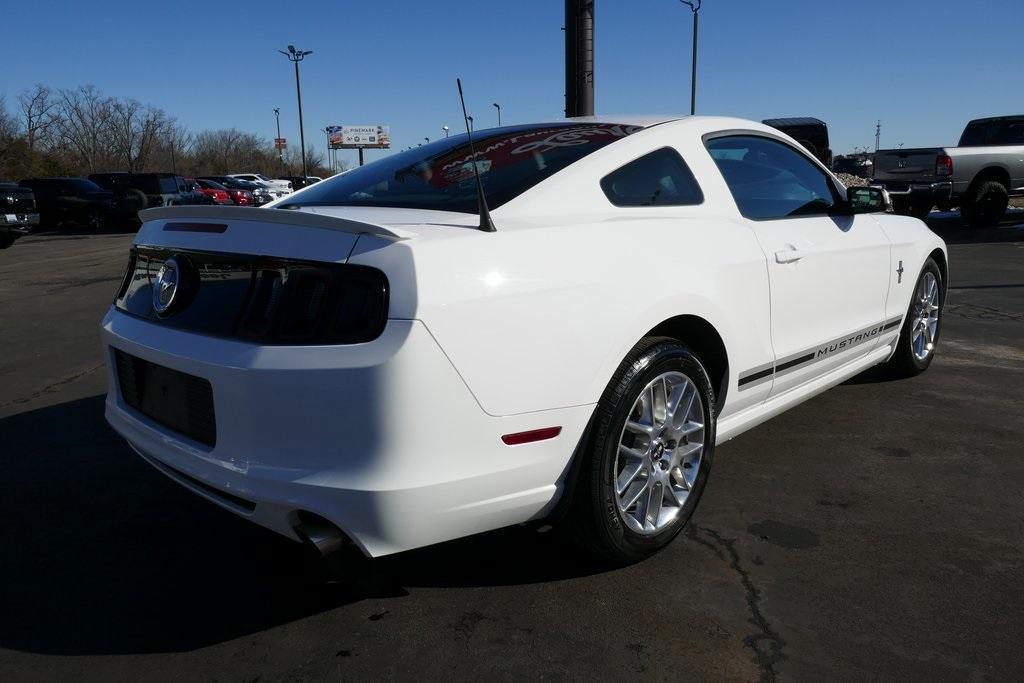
(950, 227)
(101, 554)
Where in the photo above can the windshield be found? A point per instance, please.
(440, 176)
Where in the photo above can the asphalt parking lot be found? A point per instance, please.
(876, 531)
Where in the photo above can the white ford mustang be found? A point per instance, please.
(363, 363)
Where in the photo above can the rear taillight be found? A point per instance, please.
(943, 165)
(293, 303)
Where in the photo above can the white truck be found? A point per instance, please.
(979, 175)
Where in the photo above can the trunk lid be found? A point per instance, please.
(305, 235)
(908, 165)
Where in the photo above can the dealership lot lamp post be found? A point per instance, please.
(445, 129)
(296, 56)
(498, 107)
(694, 6)
(280, 150)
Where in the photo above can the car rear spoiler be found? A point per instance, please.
(305, 219)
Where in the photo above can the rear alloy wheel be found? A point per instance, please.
(920, 332)
(647, 453)
(659, 454)
(985, 204)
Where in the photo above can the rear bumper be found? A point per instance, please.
(383, 439)
(938, 191)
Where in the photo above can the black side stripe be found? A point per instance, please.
(755, 375)
(793, 363)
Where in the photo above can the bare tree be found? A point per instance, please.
(85, 126)
(135, 131)
(231, 151)
(38, 110)
(8, 124)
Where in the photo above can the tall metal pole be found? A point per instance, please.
(498, 107)
(280, 150)
(296, 56)
(302, 133)
(579, 58)
(694, 6)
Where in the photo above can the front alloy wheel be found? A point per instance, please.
(919, 335)
(925, 309)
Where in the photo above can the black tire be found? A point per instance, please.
(95, 220)
(985, 204)
(904, 207)
(594, 516)
(904, 363)
(920, 210)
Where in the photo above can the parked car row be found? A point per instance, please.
(115, 198)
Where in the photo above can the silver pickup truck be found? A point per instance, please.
(978, 175)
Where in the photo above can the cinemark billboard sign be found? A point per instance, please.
(356, 137)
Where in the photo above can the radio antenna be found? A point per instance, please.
(486, 224)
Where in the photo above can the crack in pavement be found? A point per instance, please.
(767, 644)
(50, 388)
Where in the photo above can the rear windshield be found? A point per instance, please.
(440, 175)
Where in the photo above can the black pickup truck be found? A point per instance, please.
(18, 214)
(133, 192)
(75, 201)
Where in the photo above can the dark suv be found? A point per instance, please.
(70, 200)
(18, 213)
(133, 192)
(810, 132)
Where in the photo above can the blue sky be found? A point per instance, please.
(922, 66)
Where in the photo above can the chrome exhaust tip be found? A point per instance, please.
(326, 538)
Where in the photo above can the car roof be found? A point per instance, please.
(641, 120)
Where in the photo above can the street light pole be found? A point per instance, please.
(470, 119)
(445, 129)
(694, 6)
(296, 56)
(280, 150)
(498, 107)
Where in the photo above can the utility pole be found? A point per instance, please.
(878, 133)
(296, 56)
(579, 58)
(694, 6)
(280, 150)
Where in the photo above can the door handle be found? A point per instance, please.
(789, 255)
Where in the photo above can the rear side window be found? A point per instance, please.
(993, 132)
(660, 178)
(168, 185)
(769, 179)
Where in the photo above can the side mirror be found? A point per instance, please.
(868, 199)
